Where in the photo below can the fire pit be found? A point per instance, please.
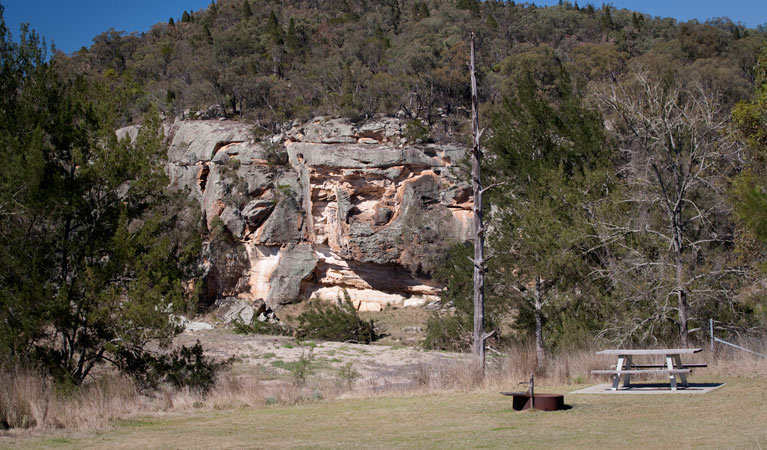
(541, 402)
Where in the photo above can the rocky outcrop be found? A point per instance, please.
(231, 309)
(324, 209)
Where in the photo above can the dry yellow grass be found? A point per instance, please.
(28, 400)
(730, 417)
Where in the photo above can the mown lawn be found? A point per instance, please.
(734, 416)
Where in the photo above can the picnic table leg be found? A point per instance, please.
(671, 376)
(678, 364)
(617, 374)
(627, 377)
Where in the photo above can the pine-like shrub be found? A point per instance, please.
(335, 322)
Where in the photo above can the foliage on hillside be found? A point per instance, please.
(277, 61)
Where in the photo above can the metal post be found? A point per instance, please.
(711, 333)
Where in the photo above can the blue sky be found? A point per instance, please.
(749, 12)
(72, 24)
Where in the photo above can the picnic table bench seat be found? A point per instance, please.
(652, 351)
(662, 366)
(641, 371)
(625, 366)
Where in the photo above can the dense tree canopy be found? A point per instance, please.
(277, 61)
(551, 161)
(94, 248)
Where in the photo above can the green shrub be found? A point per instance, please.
(302, 368)
(417, 132)
(218, 230)
(335, 323)
(348, 374)
(233, 164)
(266, 327)
(189, 367)
(183, 367)
(275, 155)
(447, 332)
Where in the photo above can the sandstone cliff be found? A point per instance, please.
(326, 206)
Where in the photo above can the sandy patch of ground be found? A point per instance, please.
(273, 357)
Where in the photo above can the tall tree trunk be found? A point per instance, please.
(540, 353)
(681, 289)
(479, 230)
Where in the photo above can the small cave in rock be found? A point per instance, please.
(202, 177)
(377, 135)
(354, 211)
(209, 292)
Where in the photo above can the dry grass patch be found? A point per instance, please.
(454, 420)
(29, 400)
(340, 371)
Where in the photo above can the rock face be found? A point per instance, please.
(232, 309)
(326, 209)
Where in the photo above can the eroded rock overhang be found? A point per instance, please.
(317, 211)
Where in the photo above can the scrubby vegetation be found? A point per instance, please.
(297, 59)
(335, 322)
(183, 367)
(261, 327)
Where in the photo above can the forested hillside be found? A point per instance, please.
(274, 61)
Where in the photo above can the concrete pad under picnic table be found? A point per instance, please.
(649, 388)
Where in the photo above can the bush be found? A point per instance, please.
(183, 367)
(265, 327)
(275, 155)
(348, 374)
(335, 323)
(302, 368)
(417, 132)
(447, 332)
(189, 367)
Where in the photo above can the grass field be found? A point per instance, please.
(734, 416)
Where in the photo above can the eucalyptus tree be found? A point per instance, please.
(749, 193)
(750, 121)
(672, 240)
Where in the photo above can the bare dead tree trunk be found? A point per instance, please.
(540, 353)
(479, 231)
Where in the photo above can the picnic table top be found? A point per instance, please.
(654, 351)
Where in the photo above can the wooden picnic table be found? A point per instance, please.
(672, 366)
